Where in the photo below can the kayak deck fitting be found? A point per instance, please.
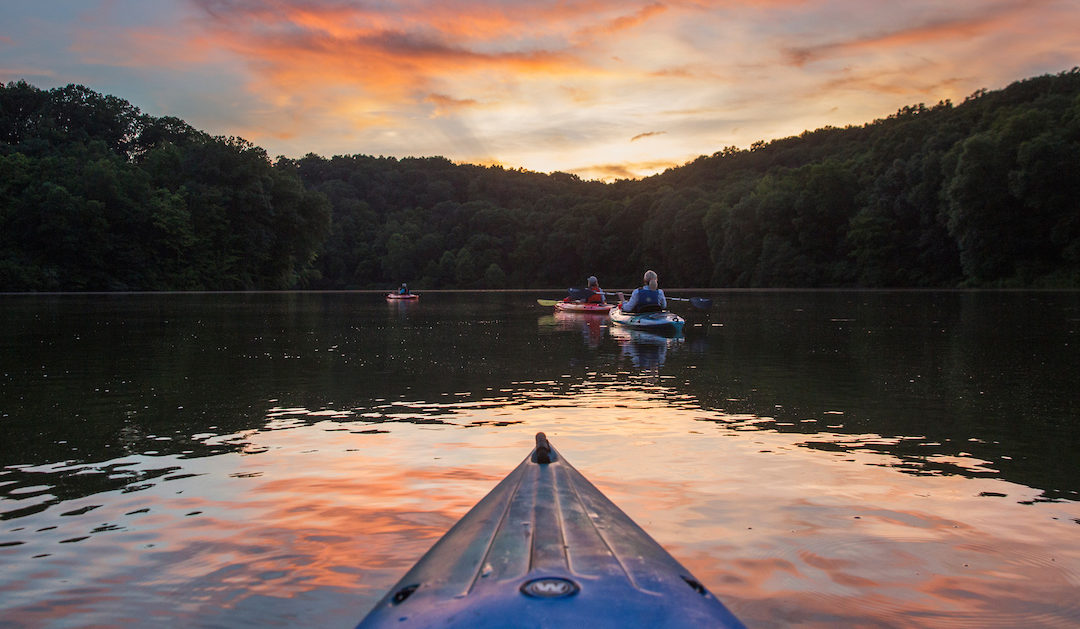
(546, 549)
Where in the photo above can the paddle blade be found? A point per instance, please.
(701, 303)
(547, 302)
(579, 293)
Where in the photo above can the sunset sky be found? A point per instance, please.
(600, 88)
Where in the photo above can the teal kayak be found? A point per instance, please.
(661, 322)
(546, 549)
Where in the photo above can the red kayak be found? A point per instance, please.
(399, 296)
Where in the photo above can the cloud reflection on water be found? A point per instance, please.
(827, 537)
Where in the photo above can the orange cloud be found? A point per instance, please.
(474, 22)
(377, 70)
(623, 22)
(683, 72)
(903, 82)
(626, 170)
(962, 28)
(444, 104)
(322, 45)
(550, 83)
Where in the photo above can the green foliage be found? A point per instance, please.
(95, 195)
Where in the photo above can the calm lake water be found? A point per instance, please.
(869, 459)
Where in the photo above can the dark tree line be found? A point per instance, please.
(96, 195)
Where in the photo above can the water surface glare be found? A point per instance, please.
(818, 459)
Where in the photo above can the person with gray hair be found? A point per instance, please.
(596, 294)
(592, 294)
(647, 298)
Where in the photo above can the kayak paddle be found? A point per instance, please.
(699, 303)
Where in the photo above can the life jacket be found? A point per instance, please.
(647, 300)
(596, 297)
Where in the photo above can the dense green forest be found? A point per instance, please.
(95, 195)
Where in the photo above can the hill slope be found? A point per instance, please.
(95, 195)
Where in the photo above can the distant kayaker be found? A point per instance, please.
(648, 298)
(404, 290)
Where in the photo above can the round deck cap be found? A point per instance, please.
(549, 587)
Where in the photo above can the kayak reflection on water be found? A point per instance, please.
(590, 326)
(645, 349)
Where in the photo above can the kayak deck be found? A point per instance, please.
(572, 306)
(664, 321)
(546, 549)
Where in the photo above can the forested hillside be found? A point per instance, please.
(95, 195)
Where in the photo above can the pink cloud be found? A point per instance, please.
(390, 54)
(445, 104)
(624, 170)
(147, 47)
(944, 30)
(558, 81)
(622, 22)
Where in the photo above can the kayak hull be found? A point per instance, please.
(404, 297)
(573, 306)
(546, 549)
(663, 322)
